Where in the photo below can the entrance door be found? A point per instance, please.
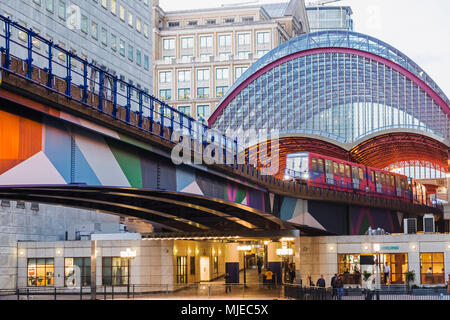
(204, 269)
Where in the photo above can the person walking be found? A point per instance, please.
(259, 265)
(339, 287)
(227, 283)
(291, 272)
(321, 287)
(333, 286)
(269, 278)
(387, 271)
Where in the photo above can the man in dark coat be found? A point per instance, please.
(333, 285)
(227, 282)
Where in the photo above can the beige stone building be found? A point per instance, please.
(199, 54)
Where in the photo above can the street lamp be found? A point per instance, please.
(244, 249)
(128, 254)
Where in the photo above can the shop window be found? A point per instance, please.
(350, 268)
(115, 271)
(182, 269)
(40, 272)
(77, 271)
(432, 268)
(399, 266)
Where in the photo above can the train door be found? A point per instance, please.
(398, 187)
(329, 172)
(355, 177)
(378, 182)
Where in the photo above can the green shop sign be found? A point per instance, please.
(389, 248)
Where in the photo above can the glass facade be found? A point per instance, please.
(329, 18)
(114, 271)
(339, 95)
(41, 272)
(432, 268)
(77, 271)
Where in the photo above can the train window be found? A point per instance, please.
(335, 168)
(347, 171)
(392, 181)
(397, 181)
(320, 165)
(328, 166)
(313, 164)
(402, 183)
(354, 173)
(361, 174)
(341, 169)
(377, 177)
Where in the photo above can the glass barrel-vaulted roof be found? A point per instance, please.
(339, 84)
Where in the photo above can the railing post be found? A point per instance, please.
(85, 81)
(128, 106)
(100, 89)
(68, 72)
(7, 48)
(30, 54)
(28, 294)
(171, 120)
(81, 292)
(50, 65)
(152, 107)
(114, 110)
(104, 292)
(18, 293)
(112, 292)
(54, 293)
(161, 123)
(140, 109)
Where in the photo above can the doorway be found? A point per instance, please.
(204, 269)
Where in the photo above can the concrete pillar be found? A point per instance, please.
(298, 276)
(232, 261)
(274, 260)
(93, 270)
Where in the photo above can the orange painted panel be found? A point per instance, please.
(20, 138)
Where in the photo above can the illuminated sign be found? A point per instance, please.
(285, 252)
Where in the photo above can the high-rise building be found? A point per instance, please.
(114, 34)
(329, 18)
(199, 54)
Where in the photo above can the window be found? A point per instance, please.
(247, 19)
(260, 53)
(432, 268)
(222, 74)
(192, 265)
(77, 271)
(185, 110)
(399, 266)
(224, 56)
(187, 43)
(184, 93)
(138, 24)
(203, 75)
(21, 34)
(169, 44)
(122, 47)
(225, 40)
(84, 24)
(168, 59)
(114, 271)
(203, 92)
(130, 52)
(165, 77)
(122, 13)
(205, 41)
(181, 269)
(174, 24)
(62, 10)
(205, 56)
(184, 75)
(104, 36)
(211, 21)
(130, 19)
(114, 7)
(94, 30)
(244, 39)
(239, 71)
(146, 62)
(263, 37)
(105, 4)
(202, 111)
(243, 54)
(50, 5)
(228, 20)
(146, 30)
(186, 57)
(220, 91)
(113, 42)
(122, 82)
(165, 94)
(138, 57)
(349, 266)
(40, 272)
(192, 23)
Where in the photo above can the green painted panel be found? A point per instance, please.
(135, 142)
(129, 161)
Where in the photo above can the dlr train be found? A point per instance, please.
(332, 173)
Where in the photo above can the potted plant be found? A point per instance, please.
(366, 274)
(410, 276)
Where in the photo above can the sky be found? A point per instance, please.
(418, 28)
